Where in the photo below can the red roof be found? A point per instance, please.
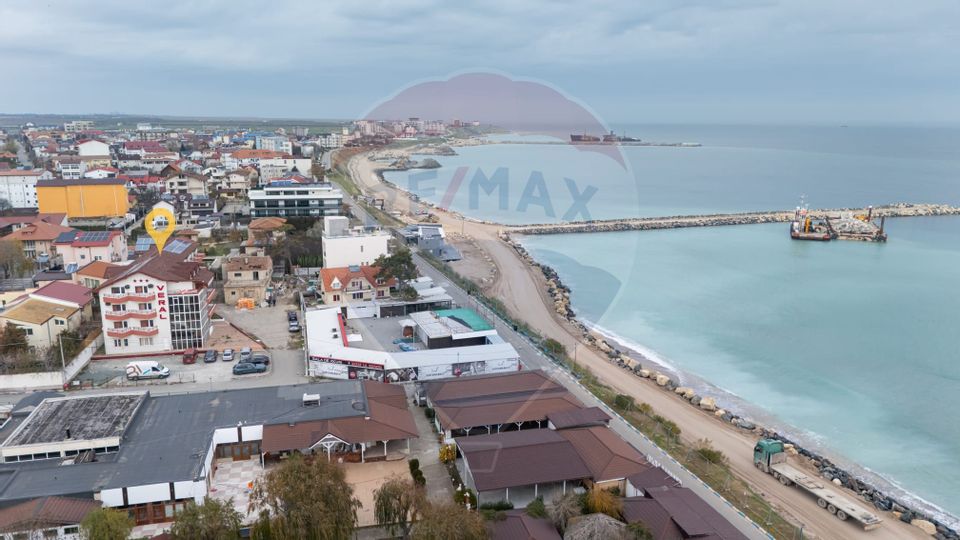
(38, 230)
(150, 146)
(100, 269)
(259, 154)
(345, 274)
(66, 291)
(47, 511)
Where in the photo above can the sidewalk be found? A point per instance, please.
(426, 448)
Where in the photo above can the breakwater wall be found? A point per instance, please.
(719, 220)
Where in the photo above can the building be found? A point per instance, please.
(671, 512)
(289, 199)
(79, 248)
(100, 173)
(342, 246)
(430, 238)
(353, 284)
(234, 159)
(91, 147)
(95, 273)
(71, 167)
(274, 144)
(38, 238)
(48, 311)
(46, 518)
(331, 354)
(186, 183)
(84, 199)
(153, 454)
(158, 303)
(77, 126)
(20, 187)
(8, 224)
(246, 277)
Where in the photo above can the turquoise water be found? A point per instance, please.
(852, 343)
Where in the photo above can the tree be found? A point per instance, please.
(5, 206)
(13, 262)
(563, 508)
(212, 520)
(13, 339)
(396, 506)
(448, 453)
(10, 146)
(106, 524)
(536, 508)
(400, 265)
(449, 521)
(601, 501)
(305, 498)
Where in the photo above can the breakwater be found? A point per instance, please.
(719, 220)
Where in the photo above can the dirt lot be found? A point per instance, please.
(475, 264)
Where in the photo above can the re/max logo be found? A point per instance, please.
(162, 301)
(497, 188)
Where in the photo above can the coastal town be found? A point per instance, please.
(301, 315)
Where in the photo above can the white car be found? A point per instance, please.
(228, 355)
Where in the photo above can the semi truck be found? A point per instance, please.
(770, 457)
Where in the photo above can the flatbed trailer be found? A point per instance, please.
(769, 456)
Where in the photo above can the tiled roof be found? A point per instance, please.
(688, 512)
(166, 267)
(67, 292)
(345, 274)
(18, 172)
(608, 456)
(267, 223)
(37, 311)
(521, 458)
(246, 262)
(38, 230)
(45, 512)
(571, 418)
(100, 269)
(517, 525)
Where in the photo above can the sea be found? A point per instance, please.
(850, 347)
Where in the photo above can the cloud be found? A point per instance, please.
(239, 49)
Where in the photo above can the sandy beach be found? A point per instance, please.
(504, 274)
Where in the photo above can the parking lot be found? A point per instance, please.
(113, 372)
(268, 324)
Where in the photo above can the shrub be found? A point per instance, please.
(623, 402)
(563, 508)
(706, 450)
(464, 496)
(448, 453)
(418, 478)
(414, 465)
(430, 413)
(499, 506)
(537, 509)
(645, 409)
(603, 502)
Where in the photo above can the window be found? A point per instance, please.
(146, 324)
(140, 289)
(120, 324)
(358, 296)
(145, 306)
(336, 298)
(73, 529)
(29, 331)
(82, 256)
(119, 307)
(120, 342)
(59, 322)
(146, 341)
(98, 258)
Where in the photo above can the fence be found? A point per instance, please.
(52, 379)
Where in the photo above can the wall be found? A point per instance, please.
(51, 379)
(84, 201)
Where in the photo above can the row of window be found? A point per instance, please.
(58, 455)
(125, 342)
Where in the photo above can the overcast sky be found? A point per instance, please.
(741, 61)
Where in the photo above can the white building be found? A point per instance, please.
(276, 144)
(343, 246)
(71, 167)
(273, 168)
(292, 199)
(93, 148)
(77, 126)
(158, 303)
(19, 188)
(330, 140)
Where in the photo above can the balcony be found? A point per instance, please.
(134, 331)
(128, 297)
(141, 314)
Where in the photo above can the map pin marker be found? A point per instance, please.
(159, 225)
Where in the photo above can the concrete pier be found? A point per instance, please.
(717, 220)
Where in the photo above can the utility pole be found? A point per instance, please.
(63, 360)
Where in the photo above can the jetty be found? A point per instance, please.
(718, 220)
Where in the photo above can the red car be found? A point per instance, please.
(190, 356)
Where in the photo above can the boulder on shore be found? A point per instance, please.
(645, 373)
(708, 404)
(925, 526)
(662, 379)
(719, 413)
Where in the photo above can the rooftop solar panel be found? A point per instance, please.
(176, 246)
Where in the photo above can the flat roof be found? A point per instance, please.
(169, 437)
(466, 317)
(86, 418)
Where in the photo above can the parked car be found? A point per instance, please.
(246, 368)
(260, 359)
(292, 316)
(209, 356)
(245, 354)
(228, 355)
(146, 369)
(294, 326)
(190, 356)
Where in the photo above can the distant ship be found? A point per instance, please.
(583, 138)
(607, 138)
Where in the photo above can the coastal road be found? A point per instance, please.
(523, 291)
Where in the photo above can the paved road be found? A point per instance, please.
(533, 359)
(22, 154)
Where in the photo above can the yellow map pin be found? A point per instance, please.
(159, 224)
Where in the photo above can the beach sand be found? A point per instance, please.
(523, 289)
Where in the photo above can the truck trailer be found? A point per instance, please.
(769, 456)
